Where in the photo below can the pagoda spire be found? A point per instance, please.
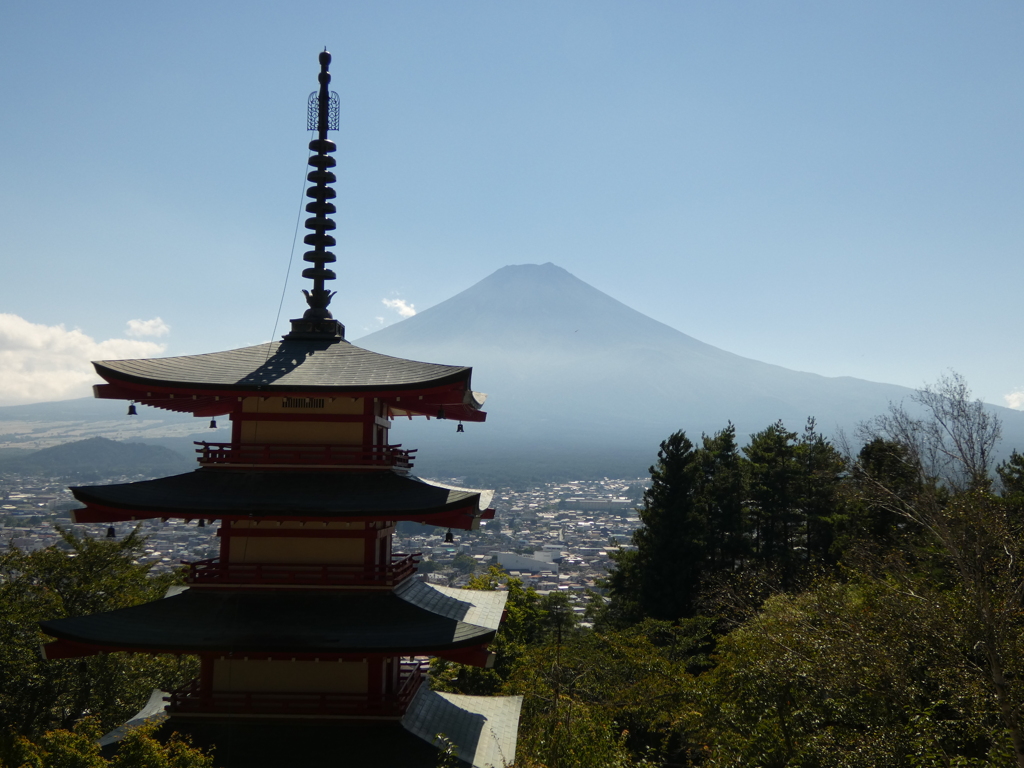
(317, 321)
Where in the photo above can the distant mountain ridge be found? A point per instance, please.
(43, 425)
(99, 456)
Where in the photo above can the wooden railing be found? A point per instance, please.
(270, 454)
(193, 699)
(214, 572)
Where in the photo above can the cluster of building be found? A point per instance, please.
(32, 507)
(556, 536)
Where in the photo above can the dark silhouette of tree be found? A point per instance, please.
(90, 576)
(1011, 475)
(661, 579)
(773, 495)
(721, 493)
(821, 471)
(973, 540)
(884, 478)
(713, 512)
(950, 437)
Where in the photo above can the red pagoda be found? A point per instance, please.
(307, 622)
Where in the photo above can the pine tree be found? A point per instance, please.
(721, 493)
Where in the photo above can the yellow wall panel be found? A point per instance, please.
(337, 405)
(313, 551)
(290, 676)
(302, 432)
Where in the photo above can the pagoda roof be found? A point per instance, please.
(413, 619)
(484, 728)
(291, 365)
(269, 743)
(218, 493)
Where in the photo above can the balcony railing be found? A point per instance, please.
(271, 454)
(214, 572)
(192, 699)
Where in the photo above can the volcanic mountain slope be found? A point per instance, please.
(573, 374)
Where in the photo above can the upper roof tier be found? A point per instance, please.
(285, 366)
(293, 366)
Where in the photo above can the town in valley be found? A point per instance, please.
(554, 537)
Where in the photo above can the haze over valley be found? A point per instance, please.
(578, 384)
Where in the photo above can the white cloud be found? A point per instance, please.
(154, 327)
(1015, 399)
(48, 362)
(401, 306)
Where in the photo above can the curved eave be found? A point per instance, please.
(204, 621)
(284, 367)
(229, 494)
(227, 389)
(458, 403)
(461, 518)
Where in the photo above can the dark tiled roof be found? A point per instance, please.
(217, 493)
(289, 621)
(289, 365)
(276, 743)
(484, 728)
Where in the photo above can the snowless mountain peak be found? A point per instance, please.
(563, 360)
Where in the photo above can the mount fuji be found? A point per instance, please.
(582, 384)
(579, 384)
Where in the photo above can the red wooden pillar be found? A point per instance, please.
(369, 547)
(206, 680)
(236, 427)
(224, 534)
(375, 682)
(369, 422)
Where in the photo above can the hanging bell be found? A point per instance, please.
(440, 412)
(132, 411)
(460, 428)
(202, 523)
(213, 423)
(111, 533)
(448, 538)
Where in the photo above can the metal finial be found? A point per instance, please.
(317, 322)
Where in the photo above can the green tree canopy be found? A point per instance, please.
(713, 512)
(82, 577)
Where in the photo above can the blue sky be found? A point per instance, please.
(832, 187)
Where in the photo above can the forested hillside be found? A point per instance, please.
(790, 605)
(788, 602)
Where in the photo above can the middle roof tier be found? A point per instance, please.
(239, 494)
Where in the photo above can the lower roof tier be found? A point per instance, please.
(241, 494)
(414, 619)
(243, 743)
(483, 730)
